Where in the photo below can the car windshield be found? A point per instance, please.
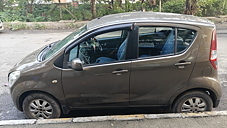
(56, 47)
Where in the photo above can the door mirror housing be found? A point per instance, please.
(76, 64)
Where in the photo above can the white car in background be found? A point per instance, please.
(1, 25)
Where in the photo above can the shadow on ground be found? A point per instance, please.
(115, 111)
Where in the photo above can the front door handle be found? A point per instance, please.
(182, 64)
(118, 72)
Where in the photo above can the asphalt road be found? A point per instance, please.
(15, 45)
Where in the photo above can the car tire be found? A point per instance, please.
(193, 102)
(40, 106)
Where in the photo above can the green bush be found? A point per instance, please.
(39, 26)
(18, 26)
(79, 15)
(173, 6)
(87, 15)
(211, 7)
(10, 15)
(71, 25)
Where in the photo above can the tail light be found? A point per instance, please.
(213, 50)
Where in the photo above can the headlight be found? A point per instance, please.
(13, 76)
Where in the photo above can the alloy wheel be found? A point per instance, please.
(194, 105)
(40, 109)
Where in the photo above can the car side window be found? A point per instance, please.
(186, 36)
(155, 41)
(102, 48)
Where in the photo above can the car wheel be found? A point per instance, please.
(193, 102)
(41, 106)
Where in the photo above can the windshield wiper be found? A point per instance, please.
(48, 47)
(51, 45)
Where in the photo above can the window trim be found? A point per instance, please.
(175, 40)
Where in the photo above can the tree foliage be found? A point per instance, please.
(211, 7)
(37, 11)
(174, 6)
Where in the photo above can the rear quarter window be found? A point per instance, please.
(186, 38)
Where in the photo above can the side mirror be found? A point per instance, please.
(77, 64)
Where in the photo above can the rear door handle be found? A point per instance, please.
(182, 64)
(119, 72)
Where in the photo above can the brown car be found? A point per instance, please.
(123, 60)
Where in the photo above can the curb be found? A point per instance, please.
(112, 118)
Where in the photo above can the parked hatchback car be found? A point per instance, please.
(122, 60)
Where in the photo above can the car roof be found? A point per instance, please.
(133, 17)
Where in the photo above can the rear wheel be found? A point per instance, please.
(193, 102)
(41, 106)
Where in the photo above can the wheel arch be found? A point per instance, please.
(207, 91)
(25, 94)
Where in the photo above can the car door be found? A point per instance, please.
(166, 56)
(100, 83)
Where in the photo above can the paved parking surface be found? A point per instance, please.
(15, 45)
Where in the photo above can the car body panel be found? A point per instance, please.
(37, 77)
(97, 86)
(156, 91)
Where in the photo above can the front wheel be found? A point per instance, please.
(193, 102)
(41, 106)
